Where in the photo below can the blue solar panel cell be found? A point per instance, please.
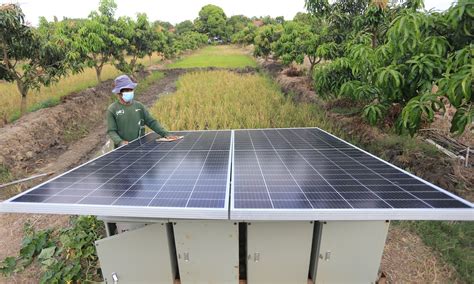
(148, 174)
(302, 170)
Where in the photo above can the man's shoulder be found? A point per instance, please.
(138, 104)
(113, 106)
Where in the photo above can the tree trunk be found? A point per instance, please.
(98, 72)
(313, 63)
(374, 40)
(23, 105)
(23, 92)
(132, 65)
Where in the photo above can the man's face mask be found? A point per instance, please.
(127, 96)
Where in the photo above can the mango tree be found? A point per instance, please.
(211, 21)
(29, 59)
(96, 40)
(300, 40)
(264, 39)
(140, 39)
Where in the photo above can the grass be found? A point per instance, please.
(148, 81)
(225, 100)
(49, 96)
(226, 56)
(453, 240)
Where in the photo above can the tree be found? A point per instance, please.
(96, 39)
(211, 21)
(29, 59)
(246, 36)
(299, 40)
(184, 27)
(140, 39)
(401, 67)
(163, 25)
(236, 24)
(189, 41)
(264, 38)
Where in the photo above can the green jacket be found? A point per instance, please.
(126, 122)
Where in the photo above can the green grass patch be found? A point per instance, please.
(216, 56)
(144, 84)
(5, 175)
(453, 240)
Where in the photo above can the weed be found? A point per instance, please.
(65, 256)
(453, 240)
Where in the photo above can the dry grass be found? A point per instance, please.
(226, 100)
(10, 97)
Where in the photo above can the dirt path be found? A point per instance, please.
(76, 153)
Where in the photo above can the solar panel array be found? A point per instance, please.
(190, 173)
(277, 174)
(277, 171)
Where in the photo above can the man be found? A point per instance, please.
(126, 118)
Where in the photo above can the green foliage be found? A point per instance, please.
(190, 41)
(65, 256)
(184, 27)
(96, 40)
(29, 58)
(302, 39)
(264, 38)
(212, 21)
(397, 54)
(246, 36)
(140, 39)
(235, 24)
(31, 246)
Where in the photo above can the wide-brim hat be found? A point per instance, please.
(123, 82)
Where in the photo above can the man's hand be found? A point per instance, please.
(124, 142)
(171, 137)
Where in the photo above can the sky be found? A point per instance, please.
(173, 11)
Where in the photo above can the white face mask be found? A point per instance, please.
(127, 96)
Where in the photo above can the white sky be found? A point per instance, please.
(173, 11)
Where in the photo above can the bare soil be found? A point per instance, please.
(406, 259)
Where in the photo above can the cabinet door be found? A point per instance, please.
(278, 252)
(349, 252)
(208, 251)
(140, 256)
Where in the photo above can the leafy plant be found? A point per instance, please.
(67, 255)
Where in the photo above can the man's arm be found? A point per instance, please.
(112, 129)
(154, 125)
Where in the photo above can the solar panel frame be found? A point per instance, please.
(152, 212)
(348, 214)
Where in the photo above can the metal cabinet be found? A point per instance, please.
(348, 252)
(278, 252)
(207, 250)
(144, 255)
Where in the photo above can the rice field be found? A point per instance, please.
(224, 56)
(48, 96)
(226, 100)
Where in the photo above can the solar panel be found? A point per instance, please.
(183, 179)
(277, 174)
(308, 174)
